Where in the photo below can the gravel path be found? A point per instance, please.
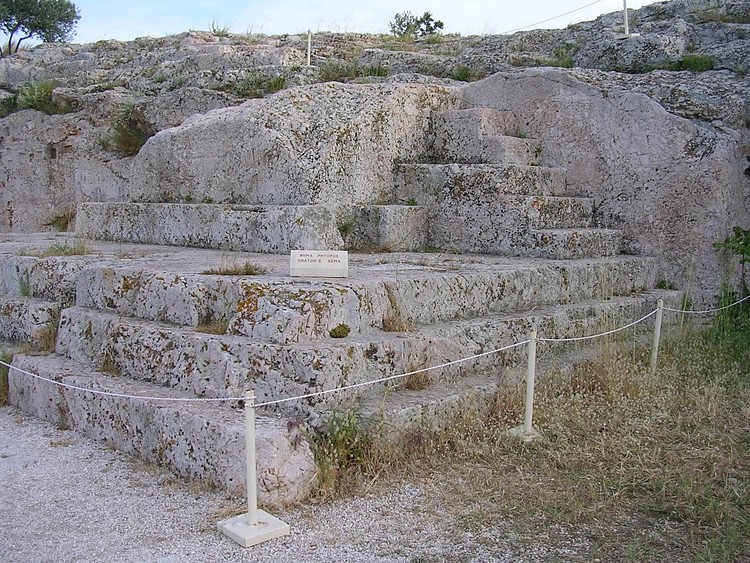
(66, 498)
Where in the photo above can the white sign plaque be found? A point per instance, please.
(319, 263)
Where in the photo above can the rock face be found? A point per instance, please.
(328, 144)
(673, 186)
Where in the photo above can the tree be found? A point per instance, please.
(406, 25)
(48, 20)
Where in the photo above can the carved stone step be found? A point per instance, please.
(429, 183)
(420, 289)
(276, 229)
(567, 244)
(226, 366)
(203, 441)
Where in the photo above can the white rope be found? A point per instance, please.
(355, 385)
(390, 377)
(117, 395)
(707, 310)
(550, 19)
(579, 338)
(269, 403)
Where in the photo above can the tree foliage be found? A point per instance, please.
(48, 20)
(406, 25)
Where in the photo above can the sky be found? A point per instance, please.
(124, 21)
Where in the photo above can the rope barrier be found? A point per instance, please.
(579, 338)
(364, 383)
(390, 377)
(689, 312)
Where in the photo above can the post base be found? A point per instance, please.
(521, 433)
(266, 528)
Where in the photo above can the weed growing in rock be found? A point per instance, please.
(462, 74)
(218, 326)
(79, 247)
(38, 96)
(343, 446)
(694, 63)
(257, 86)
(8, 105)
(130, 132)
(220, 30)
(340, 331)
(24, 286)
(417, 381)
(395, 323)
(344, 72)
(61, 221)
(6, 357)
(246, 269)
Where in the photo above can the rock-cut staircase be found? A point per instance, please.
(148, 321)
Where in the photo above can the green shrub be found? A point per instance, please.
(340, 331)
(38, 96)
(8, 105)
(695, 63)
(129, 134)
(246, 269)
(462, 73)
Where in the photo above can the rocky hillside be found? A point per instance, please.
(76, 116)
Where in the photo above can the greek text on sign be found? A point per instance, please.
(319, 263)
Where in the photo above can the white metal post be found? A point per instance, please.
(252, 483)
(257, 525)
(309, 46)
(530, 375)
(625, 12)
(657, 335)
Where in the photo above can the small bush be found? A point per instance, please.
(246, 269)
(462, 73)
(694, 63)
(8, 105)
(38, 96)
(343, 445)
(340, 331)
(257, 86)
(129, 133)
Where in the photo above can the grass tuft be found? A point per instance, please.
(6, 357)
(246, 269)
(79, 247)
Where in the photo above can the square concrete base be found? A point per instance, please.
(521, 433)
(267, 528)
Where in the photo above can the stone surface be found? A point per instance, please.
(202, 441)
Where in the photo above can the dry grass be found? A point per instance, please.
(395, 323)
(78, 247)
(645, 468)
(4, 390)
(213, 327)
(417, 381)
(246, 269)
